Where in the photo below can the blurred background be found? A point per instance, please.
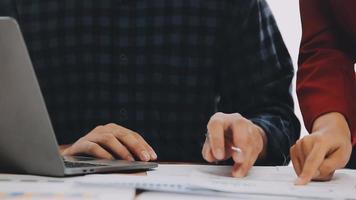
(288, 19)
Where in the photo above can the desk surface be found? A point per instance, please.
(35, 187)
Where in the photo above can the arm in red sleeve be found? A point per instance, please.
(325, 81)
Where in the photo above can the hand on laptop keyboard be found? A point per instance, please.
(110, 142)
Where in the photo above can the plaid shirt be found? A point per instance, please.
(161, 68)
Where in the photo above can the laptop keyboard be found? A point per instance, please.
(79, 164)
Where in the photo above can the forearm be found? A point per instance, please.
(325, 81)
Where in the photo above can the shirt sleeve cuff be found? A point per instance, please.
(277, 144)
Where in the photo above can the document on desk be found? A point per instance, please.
(267, 182)
(25, 187)
(279, 181)
(152, 195)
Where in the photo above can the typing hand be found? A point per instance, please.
(232, 130)
(112, 141)
(317, 156)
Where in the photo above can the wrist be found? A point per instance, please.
(332, 121)
(263, 135)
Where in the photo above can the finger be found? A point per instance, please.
(148, 147)
(340, 157)
(246, 166)
(89, 148)
(336, 160)
(327, 170)
(130, 140)
(228, 150)
(135, 146)
(207, 153)
(110, 142)
(216, 137)
(311, 166)
(324, 177)
(250, 148)
(241, 144)
(295, 160)
(235, 168)
(237, 155)
(246, 155)
(143, 141)
(301, 154)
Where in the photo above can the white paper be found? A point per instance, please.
(175, 196)
(184, 170)
(179, 196)
(266, 182)
(157, 183)
(279, 181)
(13, 187)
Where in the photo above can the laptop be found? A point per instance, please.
(27, 140)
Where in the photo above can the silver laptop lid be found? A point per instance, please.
(27, 139)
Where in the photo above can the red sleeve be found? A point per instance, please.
(326, 77)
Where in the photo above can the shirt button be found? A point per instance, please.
(123, 114)
(123, 59)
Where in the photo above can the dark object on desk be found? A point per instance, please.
(27, 140)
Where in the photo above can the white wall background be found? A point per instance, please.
(287, 15)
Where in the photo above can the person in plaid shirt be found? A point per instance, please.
(113, 72)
